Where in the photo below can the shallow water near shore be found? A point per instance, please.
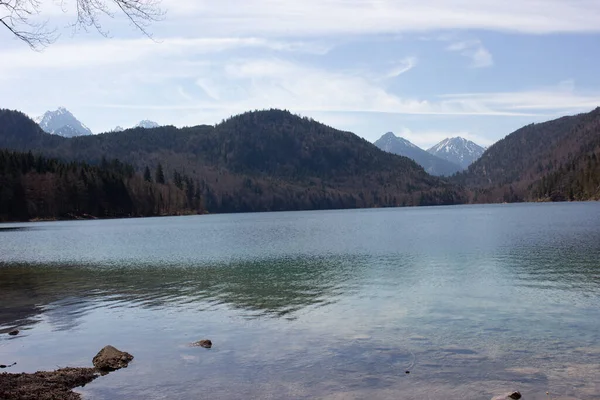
(474, 301)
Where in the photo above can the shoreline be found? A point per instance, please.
(46, 385)
(59, 384)
(86, 217)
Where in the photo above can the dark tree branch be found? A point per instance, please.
(18, 17)
(36, 38)
(15, 15)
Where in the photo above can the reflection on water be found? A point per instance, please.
(276, 288)
(472, 301)
(12, 228)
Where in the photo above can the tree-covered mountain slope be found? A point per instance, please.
(256, 161)
(514, 169)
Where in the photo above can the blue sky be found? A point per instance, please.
(426, 69)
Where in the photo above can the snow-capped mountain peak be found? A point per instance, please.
(61, 122)
(400, 146)
(147, 124)
(389, 141)
(457, 150)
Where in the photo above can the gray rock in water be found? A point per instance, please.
(111, 359)
(508, 396)
(207, 344)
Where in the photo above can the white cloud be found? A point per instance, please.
(403, 66)
(482, 58)
(461, 46)
(191, 81)
(337, 17)
(243, 84)
(278, 53)
(99, 53)
(563, 98)
(264, 83)
(473, 49)
(184, 94)
(318, 18)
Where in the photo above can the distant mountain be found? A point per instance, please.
(62, 123)
(457, 150)
(147, 124)
(267, 160)
(432, 164)
(554, 160)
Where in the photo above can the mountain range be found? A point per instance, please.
(256, 161)
(274, 160)
(444, 159)
(63, 123)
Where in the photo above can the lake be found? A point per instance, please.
(474, 301)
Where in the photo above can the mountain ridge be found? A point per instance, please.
(272, 160)
(432, 164)
(534, 162)
(63, 123)
(147, 124)
(457, 150)
(257, 161)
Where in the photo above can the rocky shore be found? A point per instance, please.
(45, 385)
(53, 385)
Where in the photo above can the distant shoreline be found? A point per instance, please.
(86, 217)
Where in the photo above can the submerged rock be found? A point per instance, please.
(508, 396)
(111, 359)
(207, 344)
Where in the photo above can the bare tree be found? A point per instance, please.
(20, 17)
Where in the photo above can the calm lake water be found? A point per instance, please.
(473, 300)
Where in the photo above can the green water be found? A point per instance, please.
(472, 300)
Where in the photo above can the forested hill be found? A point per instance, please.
(278, 143)
(19, 132)
(257, 161)
(554, 160)
(34, 187)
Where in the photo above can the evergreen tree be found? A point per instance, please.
(178, 179)
(104, 162)
(160, 174)
(147, 175)
(36, 187)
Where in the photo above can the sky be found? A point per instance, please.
(423, 69)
